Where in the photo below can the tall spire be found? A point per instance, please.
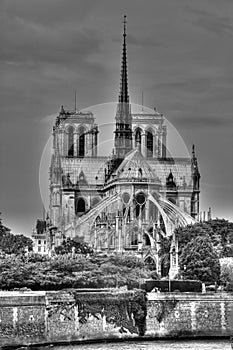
(123, 96)
(123, 131)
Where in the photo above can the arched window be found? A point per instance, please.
(80, 206)
(81, 143)
(138, 139)
(147, 239)
(70, 141)
(140, 205)
(150, 263)
(149, 144)
(134, 236)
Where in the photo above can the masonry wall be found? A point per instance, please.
(188, 314)
(41, 317)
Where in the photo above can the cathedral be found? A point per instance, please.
(124, 202)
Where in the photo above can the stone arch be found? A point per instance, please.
(140, 201)
(150, 128)
(80, 205)
(147, 240)
(150, 262)
(68, 126)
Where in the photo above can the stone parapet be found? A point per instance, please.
(66, 316)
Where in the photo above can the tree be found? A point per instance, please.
(199, 261)
(70, 271)
(219, 230)
(226, 271)
(13, 244)
(73, 246)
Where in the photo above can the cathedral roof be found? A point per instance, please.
(135, 166)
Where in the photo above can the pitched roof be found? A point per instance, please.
(135, 166)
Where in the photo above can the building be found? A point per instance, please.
(125, 202)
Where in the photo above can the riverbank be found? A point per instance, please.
(113, 342)
(44, 318)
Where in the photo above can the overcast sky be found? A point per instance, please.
(180, 53)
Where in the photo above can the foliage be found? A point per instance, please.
(219, 230)
(199, 261)
(70, 271)
(127, 310)
(13, 244)
(227, 272)
(73, 246)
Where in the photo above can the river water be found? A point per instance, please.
(152, 345)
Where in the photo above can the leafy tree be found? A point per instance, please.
(70, 271)
(199, 261)
(13, 244)
(73, 246)
(219, 230)
(226, 271)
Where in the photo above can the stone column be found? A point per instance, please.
(147, 211)
(75, 143)
(155, 143)
(164, 142)
(193, 316)
(143, 144)
(96, 142)
(118, 234)
(92, 150)
(159, 145)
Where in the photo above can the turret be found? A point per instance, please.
(196, 185)
(55, 183)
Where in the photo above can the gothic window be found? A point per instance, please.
(81, 143)
(134, 236)
(150, 263)
(147, 240)
(140, 205)
(70, 141)
(138, 139)
(80, 206)
(149, 144)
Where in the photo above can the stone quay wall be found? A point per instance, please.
(189, 315)
(52, 317)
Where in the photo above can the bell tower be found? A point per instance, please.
(123, 129)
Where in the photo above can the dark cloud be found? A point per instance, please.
(26, 42)
(196, 120)
(213, 21)
(50, 13)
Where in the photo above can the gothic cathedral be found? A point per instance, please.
(124, 202)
